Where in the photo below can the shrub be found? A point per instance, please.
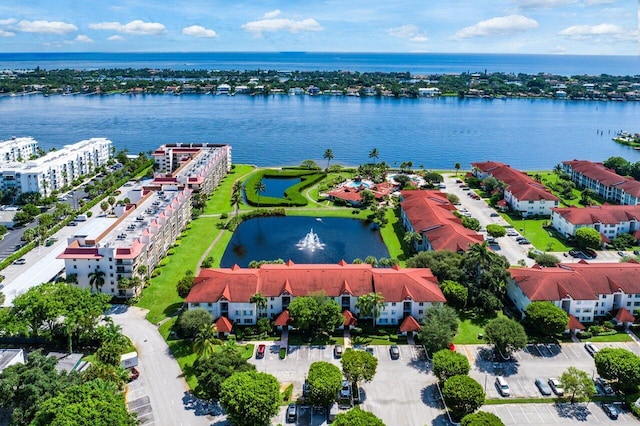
(156, 272)
(584, 335)
(283, 353)
(89, 213)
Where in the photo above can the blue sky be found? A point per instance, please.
(594, 27)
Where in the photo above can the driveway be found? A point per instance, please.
(161, 395)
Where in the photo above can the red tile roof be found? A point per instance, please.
(380, 190)
(224, 325)
(349, 318)
(598, 172)
(606, 214)
(623, 315)
(574, 324)
(579, 281)
(239, 284)
(430, 214)
(519, 184)
(409, 324)
(282, 319)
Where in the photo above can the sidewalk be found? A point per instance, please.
(347, 338)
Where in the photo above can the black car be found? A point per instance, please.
(610, 411)
(574, 253)
(394, 352)
(292, 413)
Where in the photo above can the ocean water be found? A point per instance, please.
(416, 63)
(286, 130)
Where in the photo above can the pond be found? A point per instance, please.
(276, 186)
(303, 240)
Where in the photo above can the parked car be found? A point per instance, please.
(606, 388)
(260, 352)
(511, 232)
(20, 261)
(621, 253)
(590, 252)
(543, 387)
(574, 253)
(502, 386)
(610, 411)
(524, 241)
(556, 386)
(292, 413)
(345, 391)
(494, 214)
(50, 242)
(394, 352)
(370, 350)
(305, 389)
(337, 351)
(591, 348)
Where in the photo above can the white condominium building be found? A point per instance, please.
(17, 149)
(56, 169)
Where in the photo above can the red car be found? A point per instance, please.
(260, 351)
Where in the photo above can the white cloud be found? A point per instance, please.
(46, 27)
(595, 2)
(199, 31)
(7, 21)
(137, 27)
(115, 38)
(289, 25)
(579, 32)
(543, 4)
(6, 33)
(410, 32)
(500, 25)
(272, 14)
(559, 49)
(84, 38)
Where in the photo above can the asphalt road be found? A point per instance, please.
(165, 399)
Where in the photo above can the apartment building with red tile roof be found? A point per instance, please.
(227, 291)
(430, 214)
(610, 220)
(587, 291)
(522, 193)
(605, 182)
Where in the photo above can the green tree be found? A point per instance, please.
(447, 363)
(191, 321)
(453, 198)
(439, 328)
(214, 370)
(481, 418)
(260, 301)
(357, 417)
(620, 365)
(358, 366)
(375, 154)
(250, 398)
(184, 285)
(586, 196)
(457, 167)
(104, 206)
(96, 279)
(588, 238)
(325, 380)
(455, 293)
(545, 318)
(109, 353)
(470, 223)
(506, 335)
(496, 231)
(463, 395)
(412, 238)
(205, 341)
(315, 313)
(370, 305)
(547, 260)
(236, 196)
(577, 383)
(328, 155)
(445, 265)
(259, 187)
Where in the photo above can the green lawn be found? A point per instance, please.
(161, 297)
(219, 201)
(618, 337)
(551, 178)
(470, 325)
(543, 239)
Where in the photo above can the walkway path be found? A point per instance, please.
(347, 337)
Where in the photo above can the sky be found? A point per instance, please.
(576, 27)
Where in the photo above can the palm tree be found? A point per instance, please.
(104, 206)
(557, 169)
(457, 167)
(260, 301)
(371, 304)
(236, 201)
(259, 187)
(374, 153)
(206, 341)
(96, 278)
(481, 253)
(328, 155)
(411, 238)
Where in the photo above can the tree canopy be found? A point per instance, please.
(545, 318)
(191, 321)
(250, 398)
(577, 383)
(315, 313)
(619, 365)
(325, 380)
(496, 231)
(588, 238)
(357, 417)
(447, 363)
(481, 418)
(455, 293)
(463, 395)
(214, 370)
(358, 366)
(506, 335)
(439, 328)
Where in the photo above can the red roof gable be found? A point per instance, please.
(574, 324)
(623, 315)
(430, 214)
(519, 184)
(606, 214)
(598, 172)
(224, 325)
(349, 318)
(282, 319)
(409, 324)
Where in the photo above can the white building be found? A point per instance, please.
(9, 357)
(56, 169)
(586, 291)
(605, 182)
(609, 220)
(17, 149)
(428, 92)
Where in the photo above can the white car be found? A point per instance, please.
(556, 386)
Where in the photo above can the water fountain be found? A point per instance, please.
(311, 241)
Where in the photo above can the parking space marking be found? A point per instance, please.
(553, 414)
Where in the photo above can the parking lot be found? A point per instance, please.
(556, 414)
(403, 391)
(541, 360)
